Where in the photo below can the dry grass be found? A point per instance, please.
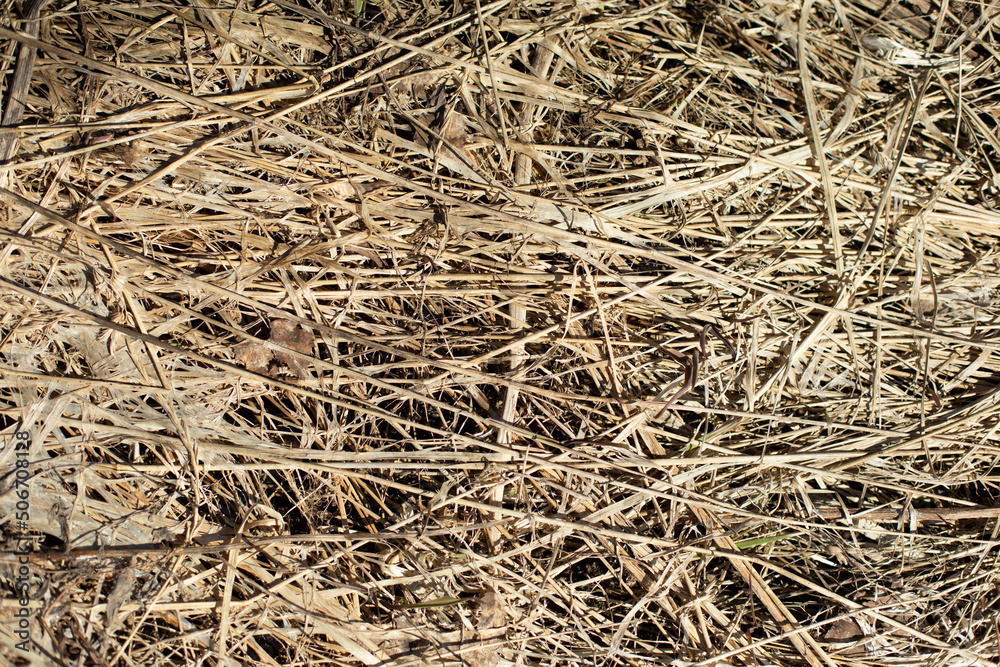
(535, 333)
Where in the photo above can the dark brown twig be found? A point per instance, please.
(691, 364)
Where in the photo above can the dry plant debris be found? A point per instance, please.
(258, 357)
(594, 333)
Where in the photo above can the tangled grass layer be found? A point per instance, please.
(536, 333)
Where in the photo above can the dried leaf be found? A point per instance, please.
(253, 356)
(843, 630)
(259, 358)
(454, 131)
(447, 143)
(120, 594)
(492, 625)
(288, 334)
(491, 613)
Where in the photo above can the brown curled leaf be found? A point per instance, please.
(259, 358)
(288, 334)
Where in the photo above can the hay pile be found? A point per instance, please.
(533, 333)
